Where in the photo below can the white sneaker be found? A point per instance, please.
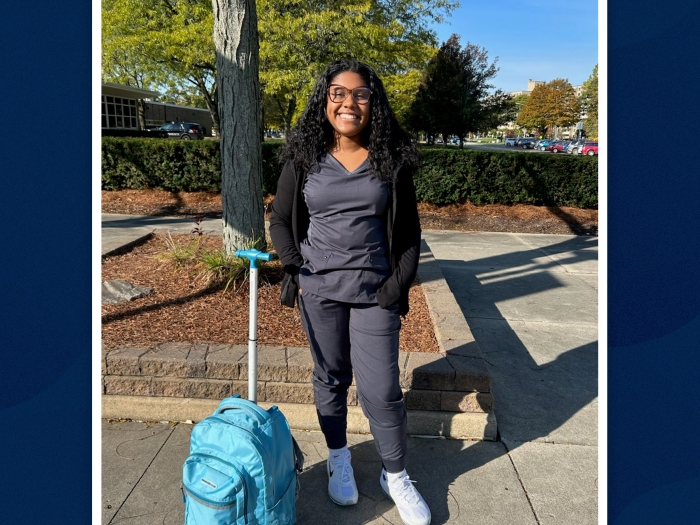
(341, 481)
(410, 504)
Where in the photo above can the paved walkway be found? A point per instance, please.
(531, 304)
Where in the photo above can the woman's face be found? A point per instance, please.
(348, 117)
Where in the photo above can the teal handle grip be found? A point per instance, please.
(254, 256)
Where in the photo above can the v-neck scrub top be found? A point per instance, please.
(346, 251)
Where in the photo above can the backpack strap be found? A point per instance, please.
(298, 466)
(298, 456)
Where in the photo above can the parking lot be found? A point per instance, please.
(502, 147)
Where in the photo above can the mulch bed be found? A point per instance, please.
(519, 218)
(185, 308)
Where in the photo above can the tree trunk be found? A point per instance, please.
(287, 113)
(237, 59)
(261, 114)
(141, 112)
(210, 99)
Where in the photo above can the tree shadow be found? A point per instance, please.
(545, 391)
(140, 310)
(572, 222)
(180, 209)
(152, 221)
(536, 393)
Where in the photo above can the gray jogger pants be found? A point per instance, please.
(364, 338)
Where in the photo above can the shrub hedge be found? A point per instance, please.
(446, 176)
(172, 165)
(449, 176)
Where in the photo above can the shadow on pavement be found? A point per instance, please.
(441, 463)
(536, 394)
(135, 221)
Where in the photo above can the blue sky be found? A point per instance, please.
(533, 39)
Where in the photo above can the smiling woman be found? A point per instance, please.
(348, 112)
(347, 180)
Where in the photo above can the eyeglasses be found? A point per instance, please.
(338, 93)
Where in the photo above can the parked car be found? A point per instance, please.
(183, 130)
(543, 144)
(526, 142)
(153, 130)
(558, 146)
(574, 147)
(510, 141)
(589, 148)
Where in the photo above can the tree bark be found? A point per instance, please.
(237, 59)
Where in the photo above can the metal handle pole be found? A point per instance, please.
(254, 256)
(253, 338)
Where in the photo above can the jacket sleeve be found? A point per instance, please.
(281, 220)
(407, 248)
(282, 233)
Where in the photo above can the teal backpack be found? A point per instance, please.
(242, 467)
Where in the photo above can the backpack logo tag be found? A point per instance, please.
(209, 483)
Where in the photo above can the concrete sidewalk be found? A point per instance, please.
(530, 302)
(120, 232)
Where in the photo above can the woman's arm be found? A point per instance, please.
(406, 245)
(281, 219)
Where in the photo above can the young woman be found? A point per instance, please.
(345, 225)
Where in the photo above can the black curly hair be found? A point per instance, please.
(389, 146)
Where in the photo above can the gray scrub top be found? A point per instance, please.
(345, 252)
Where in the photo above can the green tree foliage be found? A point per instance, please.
(168, 42)
(171, 41)
(549, 105)
(454, 97)
(299, 38)
(519, 101)
(183, 96)
(402, 89)
(272, 116)
(589, 104)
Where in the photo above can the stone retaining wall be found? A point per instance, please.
(442, 382)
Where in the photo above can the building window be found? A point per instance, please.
(119, 113)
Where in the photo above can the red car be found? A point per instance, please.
(557, 147)
(589, 148)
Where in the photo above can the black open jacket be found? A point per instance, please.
(290, 219)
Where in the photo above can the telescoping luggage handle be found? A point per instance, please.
(253, 256)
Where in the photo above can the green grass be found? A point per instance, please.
(179, 254)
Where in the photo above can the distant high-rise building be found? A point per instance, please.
(532, 84)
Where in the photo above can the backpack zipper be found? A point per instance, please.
(210, 503)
